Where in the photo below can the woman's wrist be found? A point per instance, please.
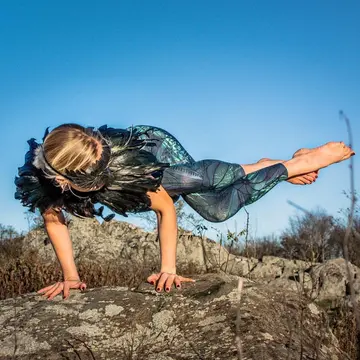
(72, 278)
(169, 270)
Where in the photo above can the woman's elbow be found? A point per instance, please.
(53, 216)
(161, 202)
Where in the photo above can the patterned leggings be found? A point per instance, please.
(215, 189)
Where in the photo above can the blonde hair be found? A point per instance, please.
(69, 147)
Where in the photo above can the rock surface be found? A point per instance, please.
(121, 240)
(201, 321)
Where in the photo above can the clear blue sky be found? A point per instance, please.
(234, 80)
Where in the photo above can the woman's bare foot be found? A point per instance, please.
(331, 153)
(305, 179)
(304, 167)
(318, 158)
(301, 152)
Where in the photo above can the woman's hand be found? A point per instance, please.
(165, 280)
(64, 286)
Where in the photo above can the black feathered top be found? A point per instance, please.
(134, 173)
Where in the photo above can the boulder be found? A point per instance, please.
(123, 241)
(213, 318)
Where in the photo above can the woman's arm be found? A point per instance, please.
(164, 207)
(158, 220)
(165, 211)
(58, 233)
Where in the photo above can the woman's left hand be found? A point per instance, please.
(165, 280)
(51, 291)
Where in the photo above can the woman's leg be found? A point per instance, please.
(261, 164)
(221, 200)
(218, 190)
(265, 162)
(222, 204)
(303, 179)
(307, 162)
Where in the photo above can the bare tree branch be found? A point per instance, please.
(238, 336)
(350, 225)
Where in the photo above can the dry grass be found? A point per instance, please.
(342, 322)
(23, 272)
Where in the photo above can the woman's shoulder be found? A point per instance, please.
(134, 131)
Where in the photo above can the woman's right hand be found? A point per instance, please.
(64, 286)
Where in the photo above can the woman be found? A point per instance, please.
(139, 169)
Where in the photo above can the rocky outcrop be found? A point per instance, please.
(123, 241)
(277, 314)
(209, 319)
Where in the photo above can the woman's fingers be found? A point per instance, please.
(177, 282)
(53, 290)
(166, 281)
(82, 286)
(56, 291)
(45, 289)
(152, 279)
(47, 293)
(184, 279)
(161, 282)
(169, 282)
(66, 290)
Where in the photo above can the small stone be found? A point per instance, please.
(92, 315)
(313, 308)
(163, 319)
(113, 310)
(212, 320)
(267, 336)
(85, 329)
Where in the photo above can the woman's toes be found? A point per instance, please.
(311, 177)
(294, 181)
(305, 179)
